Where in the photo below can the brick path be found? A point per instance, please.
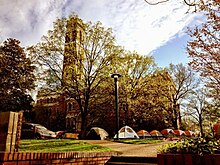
(147, 150)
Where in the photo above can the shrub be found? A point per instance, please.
(199, 146)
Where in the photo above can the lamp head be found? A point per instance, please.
(115, 75)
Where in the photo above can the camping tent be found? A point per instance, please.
(97, 133)
(143, 134)
(179, 132)
(127, 132)
(189, 133)
(167, 132)
(156, 134)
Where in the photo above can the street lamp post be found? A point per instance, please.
(116, 76)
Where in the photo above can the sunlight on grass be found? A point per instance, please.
(140, 141)
(59, 145)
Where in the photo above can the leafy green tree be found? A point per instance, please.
(136, 91)
(133, 69)
(140, 104)
(102, 107)
(157, 94)
(17, 78)
(98, 48)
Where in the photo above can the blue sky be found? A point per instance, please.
(149, 30)
(174, 51)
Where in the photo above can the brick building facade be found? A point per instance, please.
(60, 103)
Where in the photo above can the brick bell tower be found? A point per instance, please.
(73, 51)
(73, 68)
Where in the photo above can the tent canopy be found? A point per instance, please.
(179, 132)
(127, 132)
(97, 133)
(166, 131)
(156, 133)
(143, 133)
(189, 133)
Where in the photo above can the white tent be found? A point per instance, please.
(127, 132)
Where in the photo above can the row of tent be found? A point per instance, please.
(127, 132)
(168, 133)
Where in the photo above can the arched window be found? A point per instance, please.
(69, 107)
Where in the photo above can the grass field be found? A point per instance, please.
(140, 141)
(59, 145)
(66, 145)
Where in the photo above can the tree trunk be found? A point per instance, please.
(83, 126)
(84, 114)
(175, 117)
(200, 125)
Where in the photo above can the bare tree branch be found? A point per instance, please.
(163, 1)
(190, 3)
(156, 2)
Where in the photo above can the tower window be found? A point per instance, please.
(69, 108)
(80, 36)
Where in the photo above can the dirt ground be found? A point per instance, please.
(146, 150)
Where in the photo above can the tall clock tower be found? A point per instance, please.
(74, 51)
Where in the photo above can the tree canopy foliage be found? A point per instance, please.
(17, 78)
(204, 46)
(147, 95)
(141, 103)
(93, 90)
(98, 51)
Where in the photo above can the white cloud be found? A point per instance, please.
(137, 25)
(27, 20)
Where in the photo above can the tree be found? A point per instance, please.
(213, 110)
(182, 84)
(102, 107)
(204, 47)
(202, 110)
(134, 69)
(17, 78)
(48, 118)
(140, 101)
(98, 51)
(141, 104)
(190, 3)
(197, 107)
(157, 94)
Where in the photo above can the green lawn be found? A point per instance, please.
(140, 141)
(59, 145)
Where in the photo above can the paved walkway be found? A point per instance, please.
(146, 150)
